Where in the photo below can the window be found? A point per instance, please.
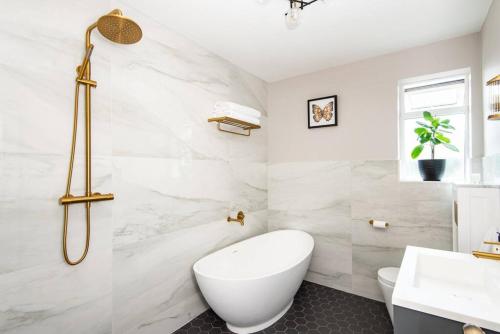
(445, 95)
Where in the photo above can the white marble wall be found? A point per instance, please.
(41, 46)
(175, 177)
(334, 200)
(315, 197)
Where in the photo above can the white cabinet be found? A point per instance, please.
(476, 214)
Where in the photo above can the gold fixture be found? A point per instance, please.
(120, 29)
(494, 98)
(371, 223)
(485, 255)
(236, 123)
(472, 329)
(95, 197)
(240, 218)
(491, 243)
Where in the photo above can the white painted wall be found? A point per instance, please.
(491, 67)
(367, 92)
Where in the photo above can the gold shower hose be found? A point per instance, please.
(120, 29)
(68, 189)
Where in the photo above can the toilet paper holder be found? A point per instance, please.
(371, 223)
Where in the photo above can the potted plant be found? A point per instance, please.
(431, 133)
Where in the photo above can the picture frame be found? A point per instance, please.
(322, 112)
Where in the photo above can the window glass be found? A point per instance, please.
(444, 97)
(435, 96)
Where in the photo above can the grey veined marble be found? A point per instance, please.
(314, 197)
(175, 179)
(174, 176)
(334, 201)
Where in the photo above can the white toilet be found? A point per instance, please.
(386, 280)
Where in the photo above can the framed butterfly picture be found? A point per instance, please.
(322, 112)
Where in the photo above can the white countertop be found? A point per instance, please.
(450, 285)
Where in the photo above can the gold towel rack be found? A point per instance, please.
(236, 123)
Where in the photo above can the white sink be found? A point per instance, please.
(450, 285)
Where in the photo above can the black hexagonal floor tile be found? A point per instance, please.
(316, 310)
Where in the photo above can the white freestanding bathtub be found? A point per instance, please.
(251, 284)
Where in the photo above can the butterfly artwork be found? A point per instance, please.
(322, 112)
(326, 112)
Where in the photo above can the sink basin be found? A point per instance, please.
(450, 285)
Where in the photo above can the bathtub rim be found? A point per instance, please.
(302, 259)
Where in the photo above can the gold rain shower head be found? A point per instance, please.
(118, 28)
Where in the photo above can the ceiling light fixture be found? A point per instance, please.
(292, 16)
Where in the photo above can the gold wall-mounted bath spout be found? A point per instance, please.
(240, 218)
(120, 29)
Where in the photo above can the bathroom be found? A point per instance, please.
(325, 169)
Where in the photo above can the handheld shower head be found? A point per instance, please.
(118, 28)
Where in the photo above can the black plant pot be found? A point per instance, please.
(432, 169)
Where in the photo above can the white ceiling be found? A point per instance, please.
(333, 32)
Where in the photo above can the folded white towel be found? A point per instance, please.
(234, 114)
(234, 107)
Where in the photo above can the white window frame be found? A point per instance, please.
(465, 109)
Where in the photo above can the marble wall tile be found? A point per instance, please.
(159, 196)
(331, 264)
(366, 260)
(418, 214)
(169, 217)
(31, 217)
(175, 177)
(373, 180)
(154, 290)
(38, 74)
(170, 121)
(315, 197)
(40, 293)
(334, 201)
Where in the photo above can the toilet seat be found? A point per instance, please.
(388, 275)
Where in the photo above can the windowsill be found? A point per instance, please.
(461, 184)
(476, 185)
(430, 182)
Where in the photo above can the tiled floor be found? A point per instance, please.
(316, 309)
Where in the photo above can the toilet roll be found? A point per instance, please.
(378, 224)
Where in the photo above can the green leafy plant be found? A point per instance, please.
(432, 133)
